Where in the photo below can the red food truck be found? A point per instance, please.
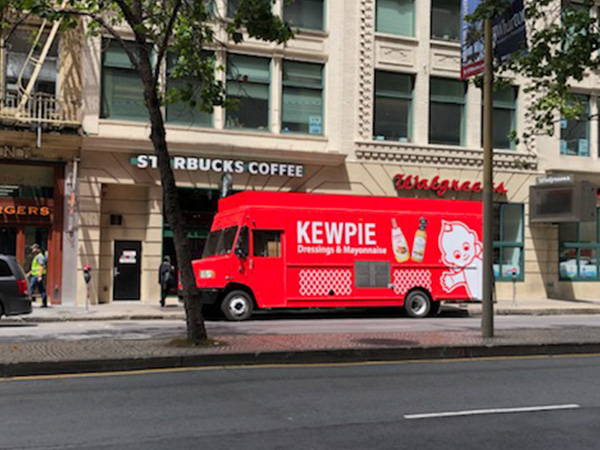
(291, 250)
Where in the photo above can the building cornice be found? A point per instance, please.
(455, 157)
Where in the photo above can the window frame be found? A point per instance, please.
(579, 245)
(168, 79)
(503, 244)
(438, 38)
(563, 145)
(265, 230)
(267, 128)
(323, 17)
(106, 43)
(396, 32)
(300, 86)
(398, 95)
(462, 103)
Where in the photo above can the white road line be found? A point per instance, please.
(474, 412)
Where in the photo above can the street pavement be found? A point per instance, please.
(134, 336)
(532, 403)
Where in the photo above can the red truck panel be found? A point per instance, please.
(334, 247)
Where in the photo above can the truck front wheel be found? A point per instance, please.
(417, 304)
(237, 305)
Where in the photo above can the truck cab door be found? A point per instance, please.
(266, 267)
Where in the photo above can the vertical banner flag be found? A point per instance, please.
(471, 41)
(509, 31)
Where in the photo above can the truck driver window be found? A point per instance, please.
(267, 243)
(219, 242)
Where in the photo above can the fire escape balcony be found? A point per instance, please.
(39, 108)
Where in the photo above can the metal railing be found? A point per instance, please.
(39, 108)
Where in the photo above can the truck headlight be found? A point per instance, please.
(206, 274)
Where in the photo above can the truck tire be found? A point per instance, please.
(237, 305)
(417, 304)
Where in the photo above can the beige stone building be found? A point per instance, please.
(363, 100)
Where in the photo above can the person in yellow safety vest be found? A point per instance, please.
(37, 274)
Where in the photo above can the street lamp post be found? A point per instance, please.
(487, 316)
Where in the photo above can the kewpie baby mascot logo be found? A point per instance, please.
(462, 252)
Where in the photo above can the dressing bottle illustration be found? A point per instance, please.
(399, 244)
(420, 241)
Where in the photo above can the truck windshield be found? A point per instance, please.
(219, 242)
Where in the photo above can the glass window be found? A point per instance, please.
(302, 110)
(579, 245)
(183, 113)
(504, 118)
(392, 118)
(122, 89)
(575, 133)
(232, 6)
(267, 243)
(220, 242)
(508, 241)
(248, 82)
(5, 269)
(304, 13)
(18, 46)
(446, 111)
(396, 17)
(445, 20)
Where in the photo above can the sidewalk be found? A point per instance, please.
(98, 355)
(174, 310)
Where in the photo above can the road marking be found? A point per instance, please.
(476, 412)
(293, 365)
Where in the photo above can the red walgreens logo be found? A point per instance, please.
(405, 182)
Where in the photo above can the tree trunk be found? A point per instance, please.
(196, 331)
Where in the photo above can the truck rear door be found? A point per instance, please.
(267, 268)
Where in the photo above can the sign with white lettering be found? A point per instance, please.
(555, 179)
(219, 165)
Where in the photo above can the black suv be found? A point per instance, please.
(14, 292)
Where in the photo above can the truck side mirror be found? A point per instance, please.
(241, 248)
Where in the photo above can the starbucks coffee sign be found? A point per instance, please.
(219, 165)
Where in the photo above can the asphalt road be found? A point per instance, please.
(363, 406)
(14, 331)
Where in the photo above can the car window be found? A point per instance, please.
(267, 243)
(5, 269)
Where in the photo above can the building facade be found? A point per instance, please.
(365, 100)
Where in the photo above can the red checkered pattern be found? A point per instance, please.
(315, 282)
(404, 280)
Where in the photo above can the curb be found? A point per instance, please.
(181, 316)
(9, 370)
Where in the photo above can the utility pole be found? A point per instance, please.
(487, 316)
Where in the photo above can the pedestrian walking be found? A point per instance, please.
(37, 274)
(166, 278)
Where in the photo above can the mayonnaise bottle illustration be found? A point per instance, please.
(399, 244)
(420, 241)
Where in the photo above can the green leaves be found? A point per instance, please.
(563, 48)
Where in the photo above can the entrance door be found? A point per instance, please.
(126, 270)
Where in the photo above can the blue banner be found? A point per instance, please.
(509, 31)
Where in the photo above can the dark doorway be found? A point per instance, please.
(126, 270)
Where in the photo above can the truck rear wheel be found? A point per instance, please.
(417, 304)
(237, 305)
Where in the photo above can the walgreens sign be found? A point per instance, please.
(407, 182)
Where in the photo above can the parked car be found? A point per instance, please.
(14, 292)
